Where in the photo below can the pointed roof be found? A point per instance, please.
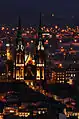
(19, 32)
(40, 22)
(40, 25)
(19, 23)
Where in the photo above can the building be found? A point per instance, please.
(19, 55)
(65, 75)
(40, 56)
(28, 67)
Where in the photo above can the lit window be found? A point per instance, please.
(60, 65)
(57, 78)
(7, 45)
(27, 83)
(74, 75)
(39, 112)
(43, 112)
(71, 75)
(31, 83)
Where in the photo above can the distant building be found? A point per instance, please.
(65, 75)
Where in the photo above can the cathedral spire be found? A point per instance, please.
(40, 25)
(19, 32)
(40, 22)
(19, 23)
(40, 41)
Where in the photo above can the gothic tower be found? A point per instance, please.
(40, 58)
(20, 54)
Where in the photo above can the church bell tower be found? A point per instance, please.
(40, 58)
(20, 54)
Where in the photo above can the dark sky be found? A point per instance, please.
(29, 10)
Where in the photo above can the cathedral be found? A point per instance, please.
(26, 67)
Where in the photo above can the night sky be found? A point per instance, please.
(29, 10)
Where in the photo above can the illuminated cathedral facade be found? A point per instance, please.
(27, 67)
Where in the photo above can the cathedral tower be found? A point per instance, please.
(40, 58)
(20, 54)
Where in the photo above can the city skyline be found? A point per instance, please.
(39, 59)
